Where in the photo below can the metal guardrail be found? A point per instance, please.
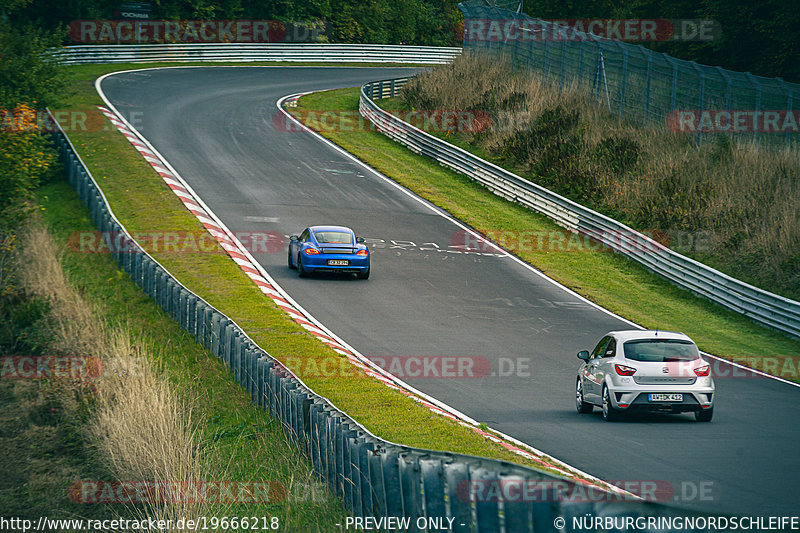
(762, 306)
(374, 477)
(249, 52)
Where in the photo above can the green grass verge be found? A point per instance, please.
(144, 204)
(609, 279)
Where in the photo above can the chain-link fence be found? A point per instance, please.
(637, 83)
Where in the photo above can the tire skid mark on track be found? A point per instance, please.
(232, 247)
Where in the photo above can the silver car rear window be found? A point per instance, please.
(660, 350)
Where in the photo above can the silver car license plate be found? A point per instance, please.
(665, 397)
(338, 262)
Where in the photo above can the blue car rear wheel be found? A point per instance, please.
(302, 272)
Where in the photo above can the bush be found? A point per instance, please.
(27, 72)
(617, 153)
(26, 154)
(30, 80)
(22, 324)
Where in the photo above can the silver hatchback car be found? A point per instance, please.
(640, 370)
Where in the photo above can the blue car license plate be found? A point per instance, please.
(665, 397)
(338, 262)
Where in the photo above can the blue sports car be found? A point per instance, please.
(328, 249)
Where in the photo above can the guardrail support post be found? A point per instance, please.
(459, 495)
(433, 487)
(411, 486)
(486, 506)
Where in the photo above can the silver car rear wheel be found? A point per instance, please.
(581, 405)
(704, 415)
(610, 414)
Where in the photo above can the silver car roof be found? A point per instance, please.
(636, 334)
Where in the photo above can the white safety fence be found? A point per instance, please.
(250, 52)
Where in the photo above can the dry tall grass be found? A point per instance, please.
(731, 204)
(77, 330)
(144, 433)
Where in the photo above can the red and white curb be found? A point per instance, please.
(226, 242)
(235, 250)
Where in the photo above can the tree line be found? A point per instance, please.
(415, 22)
(761, 37)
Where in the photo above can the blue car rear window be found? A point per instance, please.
(333, 237)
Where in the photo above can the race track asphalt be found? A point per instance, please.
(424, 298)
